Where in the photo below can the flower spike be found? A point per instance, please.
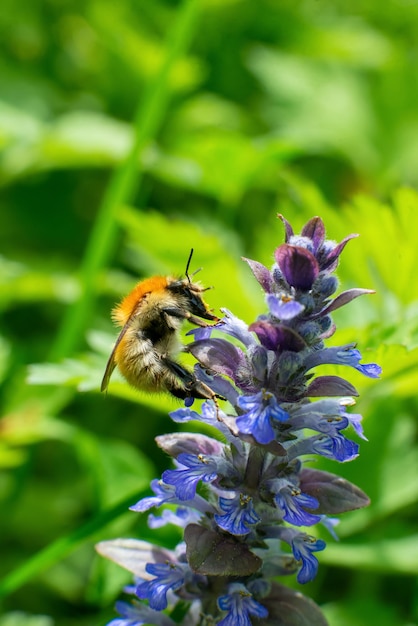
(244, 495)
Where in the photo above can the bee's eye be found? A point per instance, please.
(179, 287)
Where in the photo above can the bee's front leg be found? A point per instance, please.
(186, 315)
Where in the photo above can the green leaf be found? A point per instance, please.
(20, 284)
(83, 373)
(18, 618)
(84, 138)
(223, 164)
(321, 107)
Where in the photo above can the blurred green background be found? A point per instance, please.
(130, 132)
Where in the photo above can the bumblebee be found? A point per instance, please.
(145, 352)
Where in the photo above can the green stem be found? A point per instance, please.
(124, 183)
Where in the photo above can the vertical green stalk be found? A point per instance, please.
(124, 182)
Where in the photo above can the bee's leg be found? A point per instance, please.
(199, 322)
(184, 384)
(186, 315)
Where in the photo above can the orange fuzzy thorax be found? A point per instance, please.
(122, 312)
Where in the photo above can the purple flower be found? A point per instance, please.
(313, 239)
(240, 604)
(182, 517)
(260, 409)
(293, 503)
(167, 576)
(324, 416)
(185, 480)
(208, 415)
(303, 546)
(345, 355)
(163, 493)
(336, 447)
(283, 307)
(138, 614)
(239, 514)
(330, 523)
(355, 420)
(229, 324)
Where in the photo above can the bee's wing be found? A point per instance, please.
(111, 364)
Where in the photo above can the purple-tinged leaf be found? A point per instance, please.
(299, 266)
(212, 554)
(278, 337)
(287, 607)
(191, 443)
(329, 333)
(341, 300)
(288, 228)
(134, 554)
(314, 230)
(222, 387)
(218, 355)
(261, 274)
(331, 261)
(330, 386)
(334, 494)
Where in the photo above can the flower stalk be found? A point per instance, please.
(246, 497)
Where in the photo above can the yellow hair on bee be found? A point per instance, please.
(123, 311)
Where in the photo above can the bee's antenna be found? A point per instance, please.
(188, 265)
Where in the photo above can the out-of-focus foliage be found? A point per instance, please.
(131, 132)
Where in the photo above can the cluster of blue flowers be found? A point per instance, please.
(246, 497)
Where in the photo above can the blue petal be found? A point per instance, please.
(294, 503)
(239, 515)
(185, 480)
(163, 493)
(282, 307)
(167, 576)
(336, 447)
(303, 546)
(343, 355)
(138, 614)
(181, 517)
(240, 605)
(260, 408)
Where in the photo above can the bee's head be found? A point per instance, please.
(192, 295)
